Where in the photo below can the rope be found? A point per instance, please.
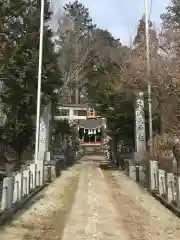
(91, 128)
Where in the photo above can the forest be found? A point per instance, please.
(78, 55)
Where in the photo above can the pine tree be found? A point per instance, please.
(172, 17)
(80, 15)
(74, 32)
(140, 38)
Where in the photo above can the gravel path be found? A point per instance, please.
(143, 216)
(87, 203)
(45, 217)
(93, 215)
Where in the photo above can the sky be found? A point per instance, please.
(120, 17)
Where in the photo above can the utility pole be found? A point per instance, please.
(77, 75)
(148, 75)
(39, 81)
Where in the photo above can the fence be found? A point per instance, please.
(20, 188)
(163, 184)
(17, 189)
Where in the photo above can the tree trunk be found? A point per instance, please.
(162, 126)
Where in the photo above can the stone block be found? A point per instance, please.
(7, 193)
(26, 182)
(138, 157)
(40, 173)
(142, 176)
(153, 175)
(18, 187)
(33, 168)
(162, 182)
(132, 172)
(170, 187)
(41, 155)
(48, 173)
(47, 156)
(178, 191)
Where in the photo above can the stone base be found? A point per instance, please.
(139, 157)
(46, 156)
(41, 155)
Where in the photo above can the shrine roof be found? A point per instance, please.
(91, 123)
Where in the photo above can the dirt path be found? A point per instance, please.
(45, 217)
(87, 203)
(110, 206)
(93, 215)
(143, 217)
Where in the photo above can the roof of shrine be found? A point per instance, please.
(91, 123)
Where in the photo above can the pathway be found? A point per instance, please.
(86, 203)
(93, 215)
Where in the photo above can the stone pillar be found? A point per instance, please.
(142, 176)
(7, 193)
(178, 192)
(139, 128)
(33, 168)
(170, 187)
(162, 182)
(40, 173)
(18, 187)
(132, 172)
(44, 132)
(153, 175)
(26, 182)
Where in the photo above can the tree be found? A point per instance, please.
(73, 54)
(82, 46)
(19, 72)
(140, 37)
(172, 15)
(170, 73)
(169, 68)
(102, 89)
(82, 26)
(80, 16)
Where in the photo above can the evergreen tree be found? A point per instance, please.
(80, 16)
(75, 39)
(172, 17)
(171, 26)
(19, 72)
(140, 38)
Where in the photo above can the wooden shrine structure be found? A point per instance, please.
(91, 127)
